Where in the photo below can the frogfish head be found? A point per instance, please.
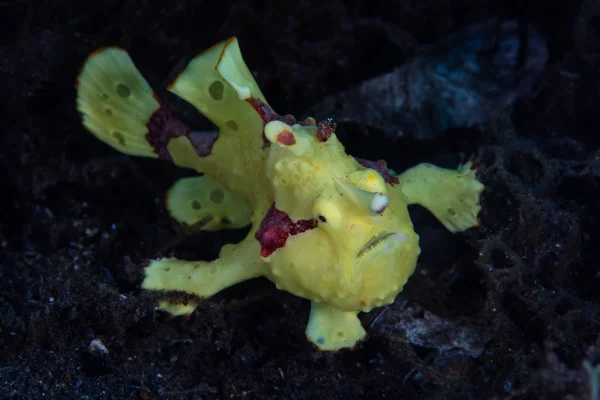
(338, 230)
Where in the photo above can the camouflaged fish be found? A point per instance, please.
(325, 226)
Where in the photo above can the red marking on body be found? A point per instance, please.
(267, 114)
(286, 138)
(325, 129)
(381, 167)
(289, 119)
(163, 126)
(309, 121)
(276, 227)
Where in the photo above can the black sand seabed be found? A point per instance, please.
(508, 310)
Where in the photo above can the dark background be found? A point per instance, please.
(78, 221)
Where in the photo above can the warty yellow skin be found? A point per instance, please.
(323, 225)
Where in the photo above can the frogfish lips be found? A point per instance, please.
(382, 241)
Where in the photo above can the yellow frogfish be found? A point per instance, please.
(325, 226)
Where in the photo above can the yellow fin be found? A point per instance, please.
(237, 263)
(233, 69)
(177, 308)
(191, 199)
(451, 195)
(331, 329)
(116, 102)
(212, 81)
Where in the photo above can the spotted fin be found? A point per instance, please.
(331, 329)
(217, 82)
(453, 196)
(116, 102)
(202, 198)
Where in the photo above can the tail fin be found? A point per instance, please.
(116, 102)
(217, 82)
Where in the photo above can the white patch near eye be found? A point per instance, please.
(378, 203)
(243, 92)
